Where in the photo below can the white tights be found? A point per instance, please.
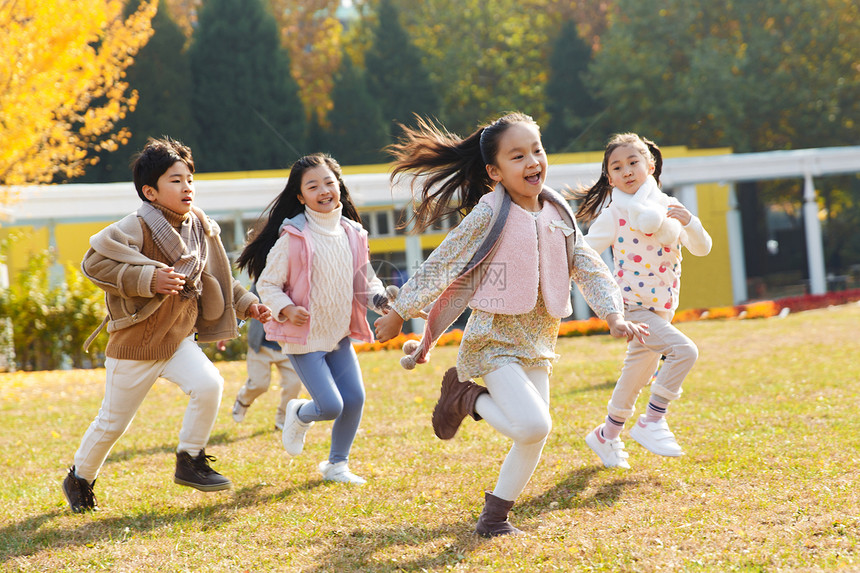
(518, 407)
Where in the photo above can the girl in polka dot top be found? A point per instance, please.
(648, 270)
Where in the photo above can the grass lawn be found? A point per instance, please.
(768, 420)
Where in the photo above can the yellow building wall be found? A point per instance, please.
(707, 281)
(25, 243)
(72, 241)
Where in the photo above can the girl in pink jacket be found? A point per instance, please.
(310, 261)
(518, 288)
(646, 230)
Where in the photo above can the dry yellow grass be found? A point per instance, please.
(768, 420)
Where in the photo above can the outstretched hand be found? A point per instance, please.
(260, 312)
(388, 326)
(620, 328)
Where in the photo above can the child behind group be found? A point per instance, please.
(497, 174)
(262, 355)
(167, 282)
(311, 263)
(648, 270)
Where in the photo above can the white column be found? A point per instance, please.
(238, 230)
(689, 198)
(239, 236)
(414, 258)
(814, 244)
(56, 272)
(737, 261)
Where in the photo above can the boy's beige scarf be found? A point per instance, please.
(186, 249)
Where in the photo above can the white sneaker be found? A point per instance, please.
(339, 472)
(239, 410)
(279, 425)
(293, 437)
(610, 452)
(656, 437)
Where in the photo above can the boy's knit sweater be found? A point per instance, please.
(157, 337)
(122, 261)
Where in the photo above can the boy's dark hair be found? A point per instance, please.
(155, 158)
(451, 172)
(286, 206)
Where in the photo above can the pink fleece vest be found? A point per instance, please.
(531, 253)
(299, 283)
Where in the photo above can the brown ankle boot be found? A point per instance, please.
(456, 401)
(494, 518)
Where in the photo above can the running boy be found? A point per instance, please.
(167, 283)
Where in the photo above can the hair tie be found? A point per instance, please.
(481, 143)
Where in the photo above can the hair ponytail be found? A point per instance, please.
(453, 171)
(657, 156)
(453, 176)
(593, 197)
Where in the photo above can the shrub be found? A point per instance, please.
(50, 323)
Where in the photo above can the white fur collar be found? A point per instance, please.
(648, 190)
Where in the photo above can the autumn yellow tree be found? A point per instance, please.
(311, 33)
(62, 65)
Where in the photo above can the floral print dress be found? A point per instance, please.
(491, 341)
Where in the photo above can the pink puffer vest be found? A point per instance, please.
(299, 281)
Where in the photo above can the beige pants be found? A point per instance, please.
(126, 385)
(260, 377)
(642, 359)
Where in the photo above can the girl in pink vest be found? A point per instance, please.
(523, 286)
(646, 230)
(310, 260)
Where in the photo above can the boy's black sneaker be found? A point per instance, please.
(196, 473)
(79, 493)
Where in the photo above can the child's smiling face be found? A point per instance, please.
(174, 190)
(520, 164)
(320, 190)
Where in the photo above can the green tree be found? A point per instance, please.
(161, 74)
(245, 102)
(396, 76)
(485, 57)
(569, 101)
(755, 76)
(356, 132)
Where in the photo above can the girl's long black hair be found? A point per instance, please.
(451, 172)
(595, 196)
(287, 205)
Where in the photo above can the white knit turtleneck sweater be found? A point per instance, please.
(331, 284)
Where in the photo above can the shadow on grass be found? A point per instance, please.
(220, 438)
(567, 494)
(608, 385)
(406, 548)
(420, 548)
(36, 533)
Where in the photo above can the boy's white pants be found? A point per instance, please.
(126, 385)
(518, 407)
(260, 377)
